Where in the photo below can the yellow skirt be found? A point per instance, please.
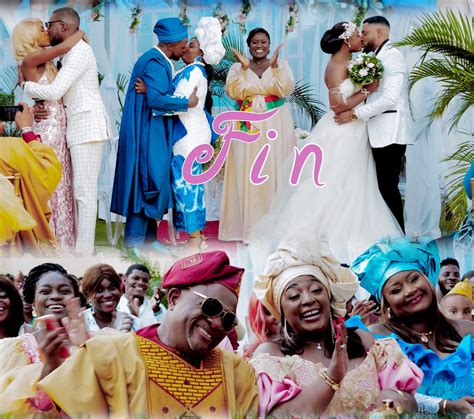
(13, 216)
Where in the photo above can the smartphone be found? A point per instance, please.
(50, 322)
(7, 112)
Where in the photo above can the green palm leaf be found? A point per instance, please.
(445, 33)
(8, 79)
(455, 208)
(304, 100)
(448, 56)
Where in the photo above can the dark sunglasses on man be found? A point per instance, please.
(212, 307)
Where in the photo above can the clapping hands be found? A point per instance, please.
(274, 59)
(52, 341)
(243, 59)
(339, 360)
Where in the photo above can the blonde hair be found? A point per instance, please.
(25, 41)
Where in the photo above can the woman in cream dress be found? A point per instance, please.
(258, 85)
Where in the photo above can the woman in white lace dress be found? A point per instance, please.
(349, 209)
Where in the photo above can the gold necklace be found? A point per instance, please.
(423, 336)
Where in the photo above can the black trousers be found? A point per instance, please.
(388, 163)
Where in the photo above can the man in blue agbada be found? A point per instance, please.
(142, 183)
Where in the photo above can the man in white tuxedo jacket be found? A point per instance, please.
(386, 112)
(77, 83)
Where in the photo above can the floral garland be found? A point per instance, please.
(221, 17)
(293, 19)
(135, 15)
(183, 5)
(245, 9)
(96, 11)
(359, 15)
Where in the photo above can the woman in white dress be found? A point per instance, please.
(349, 209)
(257, 84)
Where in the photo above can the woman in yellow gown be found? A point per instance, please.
(40, 172)
(13, 216)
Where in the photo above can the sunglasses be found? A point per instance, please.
(211, 307)
(48, 24)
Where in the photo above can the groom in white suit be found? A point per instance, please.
(77, 83)
(386, 112)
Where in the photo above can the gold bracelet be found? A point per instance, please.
(328, 380)
(396, 390)
(443, 407)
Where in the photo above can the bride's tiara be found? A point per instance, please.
(349, 29)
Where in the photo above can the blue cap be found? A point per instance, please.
(385, 259)
(170, 30)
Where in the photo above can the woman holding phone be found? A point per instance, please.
(30, 44)
(28, 358)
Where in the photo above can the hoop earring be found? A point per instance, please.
(285, 332)
(333, 332)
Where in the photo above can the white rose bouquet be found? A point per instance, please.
(365, 69)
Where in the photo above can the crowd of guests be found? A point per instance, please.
(314, 347)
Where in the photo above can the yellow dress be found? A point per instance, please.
(125, 375)
(13, 216)
(20, 369)
(243, 204)
(40, 172)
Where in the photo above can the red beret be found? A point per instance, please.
(204, 268)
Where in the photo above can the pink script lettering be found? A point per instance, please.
(223, 126)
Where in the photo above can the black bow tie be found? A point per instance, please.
(59, 64)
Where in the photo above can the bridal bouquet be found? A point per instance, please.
(365, 69)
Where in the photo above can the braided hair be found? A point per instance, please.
(29, 286)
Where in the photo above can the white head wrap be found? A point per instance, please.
(295, 258)
(209, 36)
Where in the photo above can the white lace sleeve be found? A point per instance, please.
(336, 97)
(427, 405)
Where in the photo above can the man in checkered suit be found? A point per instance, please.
(77, 83)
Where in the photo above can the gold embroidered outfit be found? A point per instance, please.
(129, 375)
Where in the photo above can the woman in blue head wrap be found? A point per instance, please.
(402, 277)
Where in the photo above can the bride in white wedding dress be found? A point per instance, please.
(349, 210)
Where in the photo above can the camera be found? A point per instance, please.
(7, 112)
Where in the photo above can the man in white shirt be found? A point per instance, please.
(77, 84)
(135, 301)
(386, 112)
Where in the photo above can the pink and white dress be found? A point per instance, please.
(53, 133)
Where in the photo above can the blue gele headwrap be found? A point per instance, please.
(386, 258)
(170, 30)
